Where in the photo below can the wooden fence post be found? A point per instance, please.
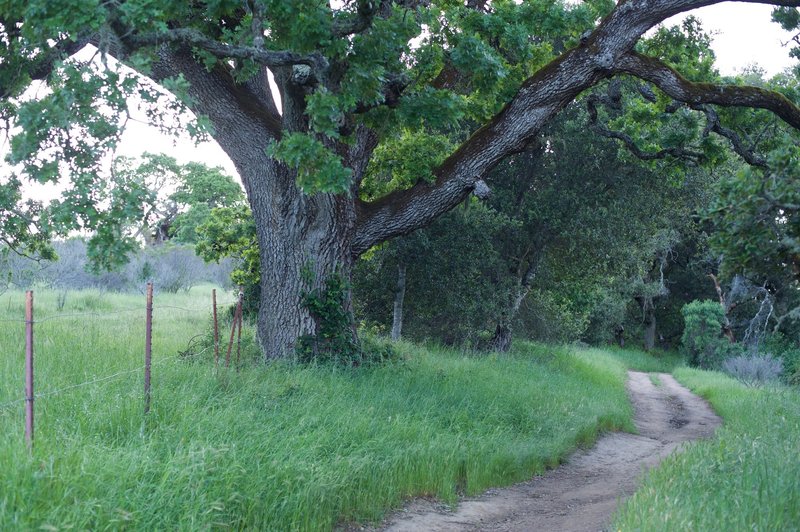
(29, 397)
(148, 346)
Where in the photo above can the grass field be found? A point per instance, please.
(746, 478)
(281, 447)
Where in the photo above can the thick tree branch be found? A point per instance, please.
(361, 20)
(604, 52)
(681, 89)
(192, 37)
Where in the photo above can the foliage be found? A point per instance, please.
(758, 223)
(453, 278)
(333, 446)
(171, 268)
(179, 197)
(746, 477)
(582, 229)
(788, 351)
(702, 338)
(334, 335)
(383, 103)
(230, 232)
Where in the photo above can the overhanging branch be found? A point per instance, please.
(676, 86)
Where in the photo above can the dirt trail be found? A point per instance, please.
(583, 493)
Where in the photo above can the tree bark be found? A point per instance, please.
(303, 240)
(399, 297)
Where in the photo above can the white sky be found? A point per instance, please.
(743, 35)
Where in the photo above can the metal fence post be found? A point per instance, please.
(148, 346)
(29, 397)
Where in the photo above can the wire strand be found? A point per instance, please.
(58, 391)
(113, 312)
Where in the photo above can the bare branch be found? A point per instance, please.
(713, 124)
(630, 144)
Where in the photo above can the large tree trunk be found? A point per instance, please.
(399, 297)
(303, 240)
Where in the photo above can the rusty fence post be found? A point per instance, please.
(148, 347)
(29, 397)
(236, 316)
(216, 327)
(239, 337)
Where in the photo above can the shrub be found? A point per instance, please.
(753, 369)
(788, 351)
(702, 339)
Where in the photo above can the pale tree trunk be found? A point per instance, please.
(503, 333)
(649, 321)
(727, 330)
(399, 297)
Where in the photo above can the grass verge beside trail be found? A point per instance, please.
(746, 478)
(278, 447)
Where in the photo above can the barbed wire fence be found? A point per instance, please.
(31, 396)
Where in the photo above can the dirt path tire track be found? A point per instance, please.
(583, 493)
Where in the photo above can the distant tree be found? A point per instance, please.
(177, 198)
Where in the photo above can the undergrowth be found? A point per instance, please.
(280, 446)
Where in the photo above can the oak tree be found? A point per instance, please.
(348, 76)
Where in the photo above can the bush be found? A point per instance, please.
(702, 339)
(788, 351)
(754, 369)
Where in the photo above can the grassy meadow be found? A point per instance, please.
(278, 447)
(746, 478)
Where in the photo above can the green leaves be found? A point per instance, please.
(318, 169)
(405, 160)
(757, 220)
(231, 232)
(325, 112)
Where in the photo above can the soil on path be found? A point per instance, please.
(583, 493)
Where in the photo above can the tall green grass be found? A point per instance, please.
(746, 478)
(277, 447)
(655, 361)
